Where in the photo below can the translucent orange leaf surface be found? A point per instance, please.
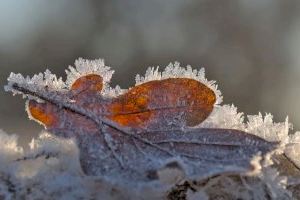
(91, 82)
(168, 100)
(43, 112)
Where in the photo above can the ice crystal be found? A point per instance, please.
(264, 127)
(40, 80)
(113, 92)
(293, 148)
(225, 116)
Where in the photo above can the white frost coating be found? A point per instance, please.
(41, 80)
(225, 116)
(112, 92)
(264, 127)
(47, 79)
(46, 142)
(293, 148)
(9, 149)
(84, 67)
(275, 183)
(176, 71)
(38, 82)
(52, 81)
(64, 150)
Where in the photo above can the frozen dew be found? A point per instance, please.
(112, 92)
(293, 148)
(41, 80)
(52, 81)
(264, 127)
(225, 116)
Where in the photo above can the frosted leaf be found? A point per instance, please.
(211, 160)
(126, 153)
(59, 177)
(176, 71)
(264, 127)
(221, 150)
(138, 157)
(84, 67)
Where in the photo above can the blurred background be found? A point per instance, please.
(250, 47)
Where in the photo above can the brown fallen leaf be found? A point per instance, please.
(137, 134)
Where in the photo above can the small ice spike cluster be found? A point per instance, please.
(168, 137)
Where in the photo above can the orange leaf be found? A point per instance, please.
(105, 128)
(91, 82)
(43, 112)
(163, 100)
